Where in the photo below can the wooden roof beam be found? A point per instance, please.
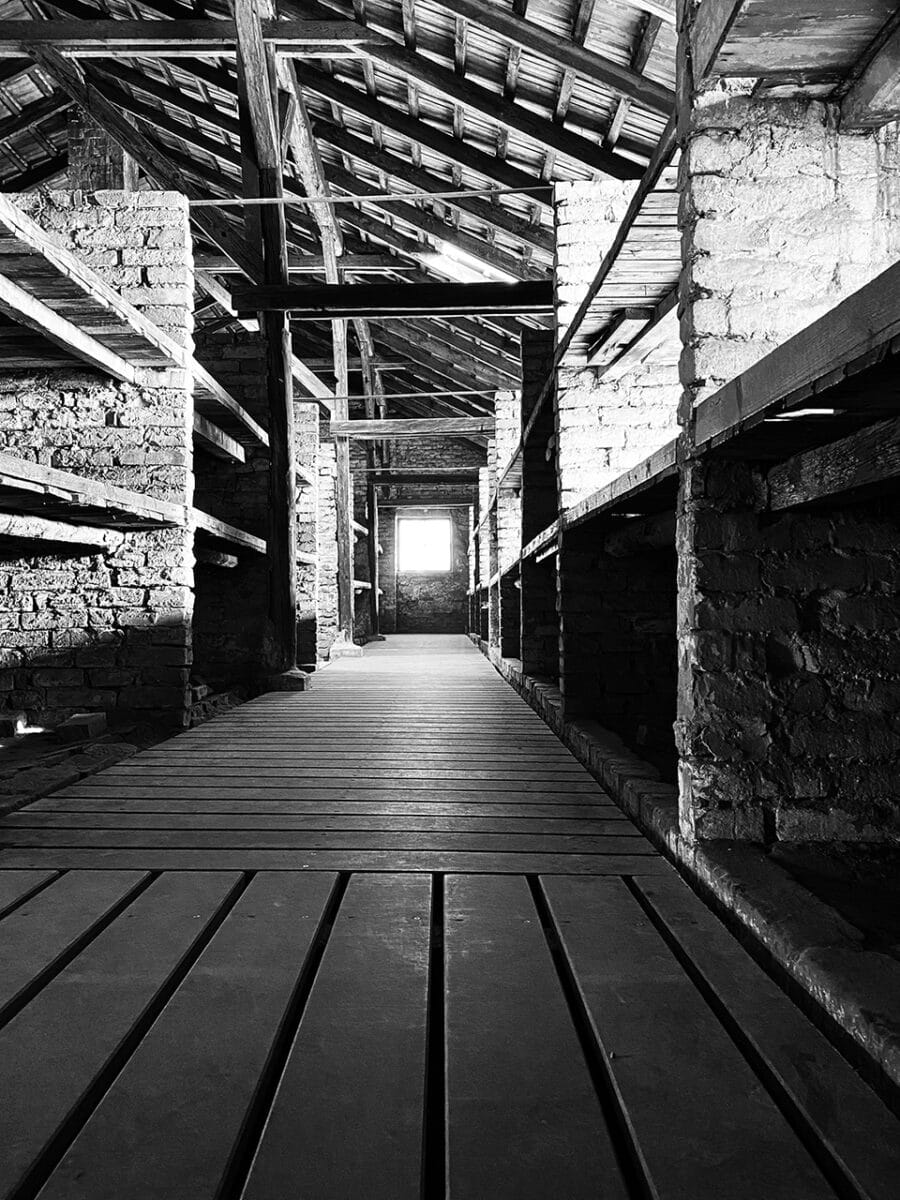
(420, 132)
(424, 181)
(313, 303)
(153, 162)
(126, 38)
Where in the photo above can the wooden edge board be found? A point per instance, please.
(230, 533)
(660, 465)
(216, 441)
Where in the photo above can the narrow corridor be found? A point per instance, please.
(388, 939)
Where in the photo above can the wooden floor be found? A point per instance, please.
(388, 939)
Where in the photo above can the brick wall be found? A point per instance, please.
(789, 728)
(508, 427)
(783, 216)
(107, 631)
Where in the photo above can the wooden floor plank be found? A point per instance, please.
(277, 839)
(15, 885)
(96, 786)
(347, 1117)
(43, 929)
(384, 823)
(517, 809)
(848, 1119)
(523, 1119)
(51, 1053)
(167, 1127)
(673, 1064)
(68, 858)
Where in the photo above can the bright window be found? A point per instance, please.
(424, 544)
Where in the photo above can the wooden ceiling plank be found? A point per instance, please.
(152, 161)
(567, 53)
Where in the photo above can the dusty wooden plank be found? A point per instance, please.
(170, 1122)
(503, 1067)
(411, 427)
(874, 97)
(216, 441)
(55, 1049)
(856, 1130)
(348, 1115)
(466, 862)
(704, 1123)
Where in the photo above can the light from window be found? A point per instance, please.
(424, 544)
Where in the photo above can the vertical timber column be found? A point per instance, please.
(783, 215)
(96, 163)
(263, 172)
(538, 620)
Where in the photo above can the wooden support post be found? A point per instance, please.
(262, 149)
(372, 386)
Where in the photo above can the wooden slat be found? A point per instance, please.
(54, 1051)
(423, 427)
(313, 302)
(503, 1068)
(229, 533)
(348, 1115)
(853, 1128)
(672, 1063)
(865, 459)
(15, 886)
(43, 929)
(459, 862)
(169, 1124)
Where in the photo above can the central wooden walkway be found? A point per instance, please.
(387, 939)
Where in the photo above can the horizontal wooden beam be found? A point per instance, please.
(95, 502)
(40, 529)
(112, 38)
(853, 465)
(563, 52)
(391, 300)
(310, 264)
(424, 427)
(204, 523)
(622, 330)
(216, 441)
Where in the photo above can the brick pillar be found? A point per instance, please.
(604, 425)
(327, 589)
(96, 163)
(306, 440)
(783, 216)
(111, 631)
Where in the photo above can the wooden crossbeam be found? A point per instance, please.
(387, 300)
(434, 427)
(216, 441)
(622, 330)
(853, 465)
(228, 533)
(125, 38)
(563, 52)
